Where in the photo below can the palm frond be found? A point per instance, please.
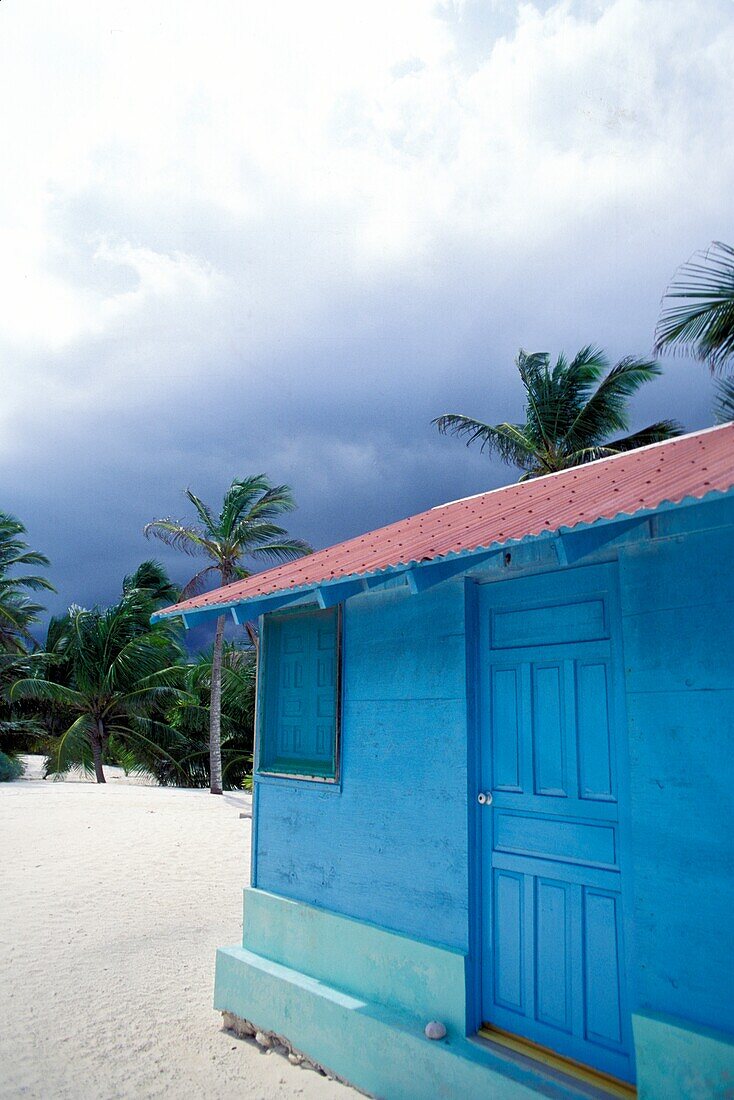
(138, 657)
(46, 691)
(653, 433)
(606, 410)
(275, 501)
(72, 747)
(178, 535)
(196, 584)
(36, 584)
(724, 400)
(509, 441)
(239, 499)
(203, 511)
(284, 550)
(569, 387)
(150, 735)
(586, 367)
(704, 325)
(537, 379)
(571, 409)
(532, 365)
(151, 577)
(247, 532)
(17, 614)
(13, 552)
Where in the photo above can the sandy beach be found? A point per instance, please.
(113, 900)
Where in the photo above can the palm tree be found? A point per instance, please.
(245, 527)
(56, 659)
(17, 611)
(118, 674)
(699, 319)
(571, 409)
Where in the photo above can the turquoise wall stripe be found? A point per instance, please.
(357, 957)
(679, 1062)
(382, 1050)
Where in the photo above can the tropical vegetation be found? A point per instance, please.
(698, 318)
(572, 408)
(189, 718)
(18, 612)
(244, 527)
(107, 688)
(109, 685)
(111, 675)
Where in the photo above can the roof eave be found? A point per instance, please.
(323, 591)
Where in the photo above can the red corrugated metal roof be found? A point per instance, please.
(687, 467)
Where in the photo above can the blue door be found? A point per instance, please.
(550, 802)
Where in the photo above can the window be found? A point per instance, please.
(299, 701)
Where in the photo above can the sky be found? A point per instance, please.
(280, 238)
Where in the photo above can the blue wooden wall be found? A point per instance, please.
(678, 627)
(390, 844)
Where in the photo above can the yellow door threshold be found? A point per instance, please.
(593, 1077)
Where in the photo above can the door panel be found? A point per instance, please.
(601, 957)
(551, 728)
(585, 842)
(549, 731)
(506, 693)
(596, 773)
(509, 976)
(579, 621)
(553, 908)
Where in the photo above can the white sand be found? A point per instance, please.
(112, 902)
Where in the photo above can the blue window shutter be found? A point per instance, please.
(299, 715)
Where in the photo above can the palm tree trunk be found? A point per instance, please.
(97, 754)
(215, 712)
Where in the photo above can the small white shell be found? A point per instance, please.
(263, 1040)
(435, 1030)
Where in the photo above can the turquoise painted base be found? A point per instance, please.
(379, 1049)
(356, 999)
(678, 1062)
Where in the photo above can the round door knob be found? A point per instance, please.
(484, 798)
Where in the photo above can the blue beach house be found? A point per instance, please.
(493, 790)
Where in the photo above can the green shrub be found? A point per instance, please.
(10, 768)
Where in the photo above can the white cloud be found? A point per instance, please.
(363, 123)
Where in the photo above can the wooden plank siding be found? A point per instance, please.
(390, 846)
(678, 628)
